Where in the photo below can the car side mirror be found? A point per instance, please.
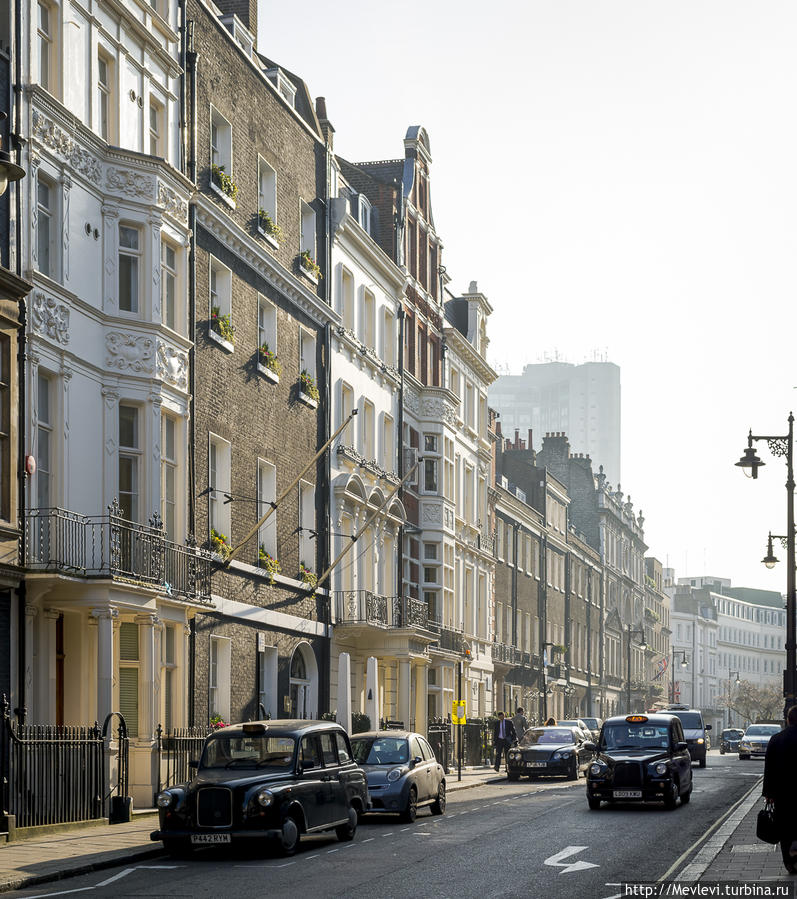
(593, 747)
(306, 766)
(193, 763)
(681, 744)
(416, 761)
(708, 727)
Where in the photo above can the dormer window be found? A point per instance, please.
(283, 84)
(240, 33)
(364, 213)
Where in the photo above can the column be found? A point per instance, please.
(147, 625)
(181, 706)
(30, 624)
(66, 378)
(110, 247)
(372, 691)
(343, 716)
(46, 701)
(105, 661)
(403, 697)
(421, 696)
(110, 472)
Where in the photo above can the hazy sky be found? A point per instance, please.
(619, 177)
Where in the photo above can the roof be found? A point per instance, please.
(273, 725)
(657, 718)
(390, 732)
(769, 598)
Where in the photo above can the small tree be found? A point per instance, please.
(752, 702)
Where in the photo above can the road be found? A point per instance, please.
(500, 839)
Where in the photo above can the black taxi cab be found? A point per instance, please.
(640, 758)
(265, 780)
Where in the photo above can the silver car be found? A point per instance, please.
(402, 771)
(755, 740)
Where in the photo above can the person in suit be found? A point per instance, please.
(520, 723)
(780, 787)
(504, 736)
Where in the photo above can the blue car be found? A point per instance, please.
(402, 771)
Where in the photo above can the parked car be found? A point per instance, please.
(579, 723)
(551, 751)
(729, 740)
(695, 730)
(594, 724)
(403, 773)
(265, 780)
(755, 740)
(641, 758)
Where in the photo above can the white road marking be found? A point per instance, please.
(404, 829)
(422, 833)
(369, 840)
(330, 851)
(118, 876)
(307, 858)
(557, 861)
(61, 893)
(387, 834)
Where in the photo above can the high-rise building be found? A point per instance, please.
(582, 401)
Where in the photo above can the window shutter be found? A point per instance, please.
(128, 641)
(128, 698)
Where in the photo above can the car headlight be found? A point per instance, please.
(744, 745)
(562, 754)
(596, 769)
(265, 797)
(164, 800)
(514, 755)
(660, 768)
(393, 775)
(700, 740)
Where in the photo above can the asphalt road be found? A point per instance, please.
(521, 839)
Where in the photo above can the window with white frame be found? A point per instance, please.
(307, 345)
(45, 36)
(129, 656)
(169, 475)
(46, 256)
(267, 661)
(267, 494)
(220, 289)
(307, 529)
(219, 474)
(346, 303)
(388, 337)
(283, 84)
(105, 96)
(157, 132)
(367, 431)
(45, 498)
(219, 678)
(266, 324)
(6, 472)
(220, 144)
(388, 443)
(430, 475)
(364, 213)
(469, 404)
(346, 406)
(130, 265)
(169, 285)
(266, 190)
(129, 461)
(367, 321)
(307, 224)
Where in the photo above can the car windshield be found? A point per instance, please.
(689, 720)
(762, 730)
(635, 736)
(550, 735)
(731, 734)
(380, 750)
(248, 751)
(591, 723)
(572, 723)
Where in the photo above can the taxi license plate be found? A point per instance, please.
(210, 838)
(627, 794)
(536, 764)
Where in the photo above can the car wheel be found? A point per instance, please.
(345, 832)
(178, 848)
(438, 807)
(594, 803)
(671, 799)
(572, 774)
(289, 835)
(686, 796)
(512, 775)
(702, 762)
(411, 811)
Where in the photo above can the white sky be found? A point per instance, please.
(619, 177)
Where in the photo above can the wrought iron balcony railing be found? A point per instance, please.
(110, 546)
(365, 607)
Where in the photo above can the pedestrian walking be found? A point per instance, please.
(780, 787)
(520, 723)
(503, 737)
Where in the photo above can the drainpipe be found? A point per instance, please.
(400, 448)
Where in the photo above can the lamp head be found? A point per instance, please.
(770, 559)
(750, 462)
(684, 663)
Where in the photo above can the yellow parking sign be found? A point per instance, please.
(458, 711)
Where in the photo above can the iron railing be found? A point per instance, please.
(175, 750)
(111, 546)
(450, 639)
(476, 736)
(365, 607)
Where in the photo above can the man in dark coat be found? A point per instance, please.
(504, 736)
(780, 786)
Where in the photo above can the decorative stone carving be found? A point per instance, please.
(173, 203)
(61, 143)
(172, 365)
(431, 512)
(411, 400)
(129, 351)
(134, 184)
(50, 318)
(439, 409)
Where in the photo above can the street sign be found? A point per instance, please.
(458, 712)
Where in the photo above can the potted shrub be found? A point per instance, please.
(309, 265)
(308, 385)
(267, 225)
(224, 181)
(308, 577)
(217, 722)
(222, 325)
(267, 359)
(271, 565)
(219, 543)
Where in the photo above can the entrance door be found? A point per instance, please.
(298, 700)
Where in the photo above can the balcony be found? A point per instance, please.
(364, 607)
(109, 546)
(507, 654)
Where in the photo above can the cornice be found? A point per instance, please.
(246, 249)
(364, 244)
(468, 351)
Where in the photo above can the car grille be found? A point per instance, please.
(627, 774)
(214, 807)
(757, 747)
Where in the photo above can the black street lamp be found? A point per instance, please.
(642, 645)
(750, 463)
(684, 664)
(730, 677)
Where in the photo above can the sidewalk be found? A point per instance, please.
(27, 862)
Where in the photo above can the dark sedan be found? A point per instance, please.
(403, 773)
(730, 739)
(265, 780)
(641, 758)
(550, 751)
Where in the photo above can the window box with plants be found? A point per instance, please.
(221, 329)
(308, 389)
(268, 563)
(223, 184)
(220, 545)
(308, 577)
(267, 363)
(268, 228)
(309, 267)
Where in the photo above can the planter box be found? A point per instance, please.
(308, 274)
(215, 187)
(308, 400)
(269, 239)
(268, 373)
(225, 344)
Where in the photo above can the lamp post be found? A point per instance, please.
(750, 463)
(730, 677)
(642, 645)
(684, 664)
(545, 691)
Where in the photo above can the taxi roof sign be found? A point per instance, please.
(636, 719)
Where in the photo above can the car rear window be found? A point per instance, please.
(690, 720)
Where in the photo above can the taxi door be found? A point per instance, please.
(683, 760)
(313, 786)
